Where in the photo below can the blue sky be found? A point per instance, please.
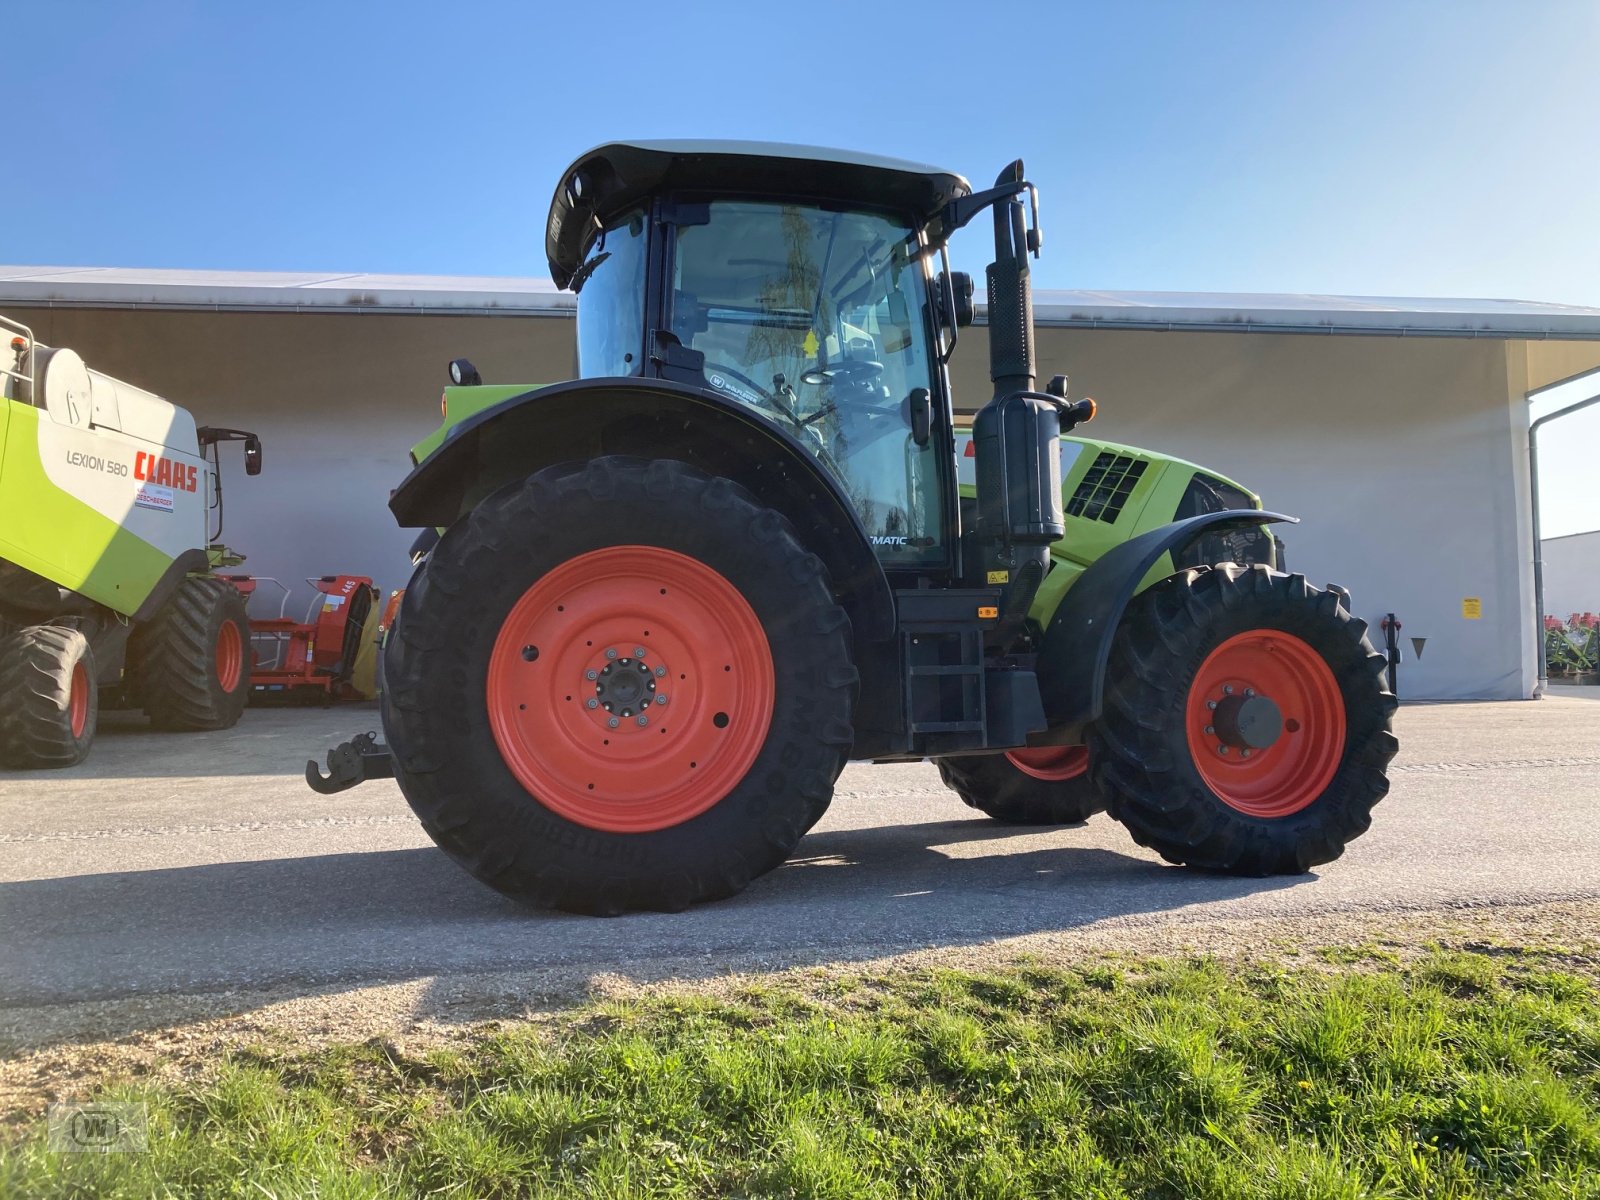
(1405, 147)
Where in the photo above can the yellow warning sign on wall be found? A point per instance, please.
(1471, 608)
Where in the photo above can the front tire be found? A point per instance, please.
(532, 738)
(49, 699)
(190, 665)
(1050, 785)
(1246, 725)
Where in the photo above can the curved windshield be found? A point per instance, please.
(817, 320)
(611, 302)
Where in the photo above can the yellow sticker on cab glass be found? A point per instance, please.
(1472, 608)
(810, 344)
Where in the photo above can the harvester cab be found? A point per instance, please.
(743, 554)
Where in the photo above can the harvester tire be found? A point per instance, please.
(189, 667)
(1246, 726)
(1046, 786)
(49, 699)
(537, 744)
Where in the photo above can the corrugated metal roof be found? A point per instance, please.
(119, 287)
(130, 287)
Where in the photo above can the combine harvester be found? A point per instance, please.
(107, 559)
(673, 597)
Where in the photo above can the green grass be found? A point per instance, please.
(1460, 1074)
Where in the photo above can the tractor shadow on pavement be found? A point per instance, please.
(226, 938)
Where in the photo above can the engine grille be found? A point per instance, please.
(1106, 487)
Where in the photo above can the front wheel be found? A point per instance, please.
(1246, 725)
(618, 685)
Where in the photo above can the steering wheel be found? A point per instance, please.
(848, 370)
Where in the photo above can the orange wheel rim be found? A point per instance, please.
(229, 656)
(1287, 682)
(630, 689)
(1051, 763)
(78, 700)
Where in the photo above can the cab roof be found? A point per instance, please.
(612, 178)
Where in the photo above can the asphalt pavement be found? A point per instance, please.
(185, 864)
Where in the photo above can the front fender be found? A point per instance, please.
(1077, 642)
(649, 418)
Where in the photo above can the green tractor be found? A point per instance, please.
(670, 599)
(106, 551)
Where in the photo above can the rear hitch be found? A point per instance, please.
(362, 758)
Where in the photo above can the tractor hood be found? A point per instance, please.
(608, 180)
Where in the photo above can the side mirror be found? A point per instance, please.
(960, 285)
(252, 455)
(463, 373)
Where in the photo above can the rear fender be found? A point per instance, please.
(588, 418)
(1077, 642)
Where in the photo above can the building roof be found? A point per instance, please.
(490, 295)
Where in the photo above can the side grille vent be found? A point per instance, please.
(1106, 488)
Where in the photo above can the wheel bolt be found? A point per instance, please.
(613, 723)
(638, 651)
(593, 703)
(1211, 703)
(1222, 750)
(1211, 728)
(1249, 692)
(1227, 689)
(643, 720)
(611, 653)
(661, 671)
(661, 699)
(591, 676)
(1244, 754)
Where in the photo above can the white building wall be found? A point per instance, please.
(1572, 574)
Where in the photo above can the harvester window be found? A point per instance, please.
(611, 302)
(817, 320)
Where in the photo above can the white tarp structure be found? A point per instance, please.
(1397, 429)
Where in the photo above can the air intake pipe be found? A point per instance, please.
(1016, 436)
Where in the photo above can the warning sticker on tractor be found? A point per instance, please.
(999, 576)
(1471, 608)
(151, 496)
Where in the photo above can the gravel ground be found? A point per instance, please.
(178, 892)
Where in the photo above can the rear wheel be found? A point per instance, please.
(1246, 725)
(190, 665)
(49, 701)
(1045, 785)
(617, 685)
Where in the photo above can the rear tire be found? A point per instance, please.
(1047, 786)
(502, 645)
(190, 666)
(49, 701)
(1176, 773)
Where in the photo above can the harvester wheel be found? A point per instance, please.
(190, 666)
(1246, 725)
(1048, 785)
(49, 699)
(621, 684)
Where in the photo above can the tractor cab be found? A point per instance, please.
(799, 287)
